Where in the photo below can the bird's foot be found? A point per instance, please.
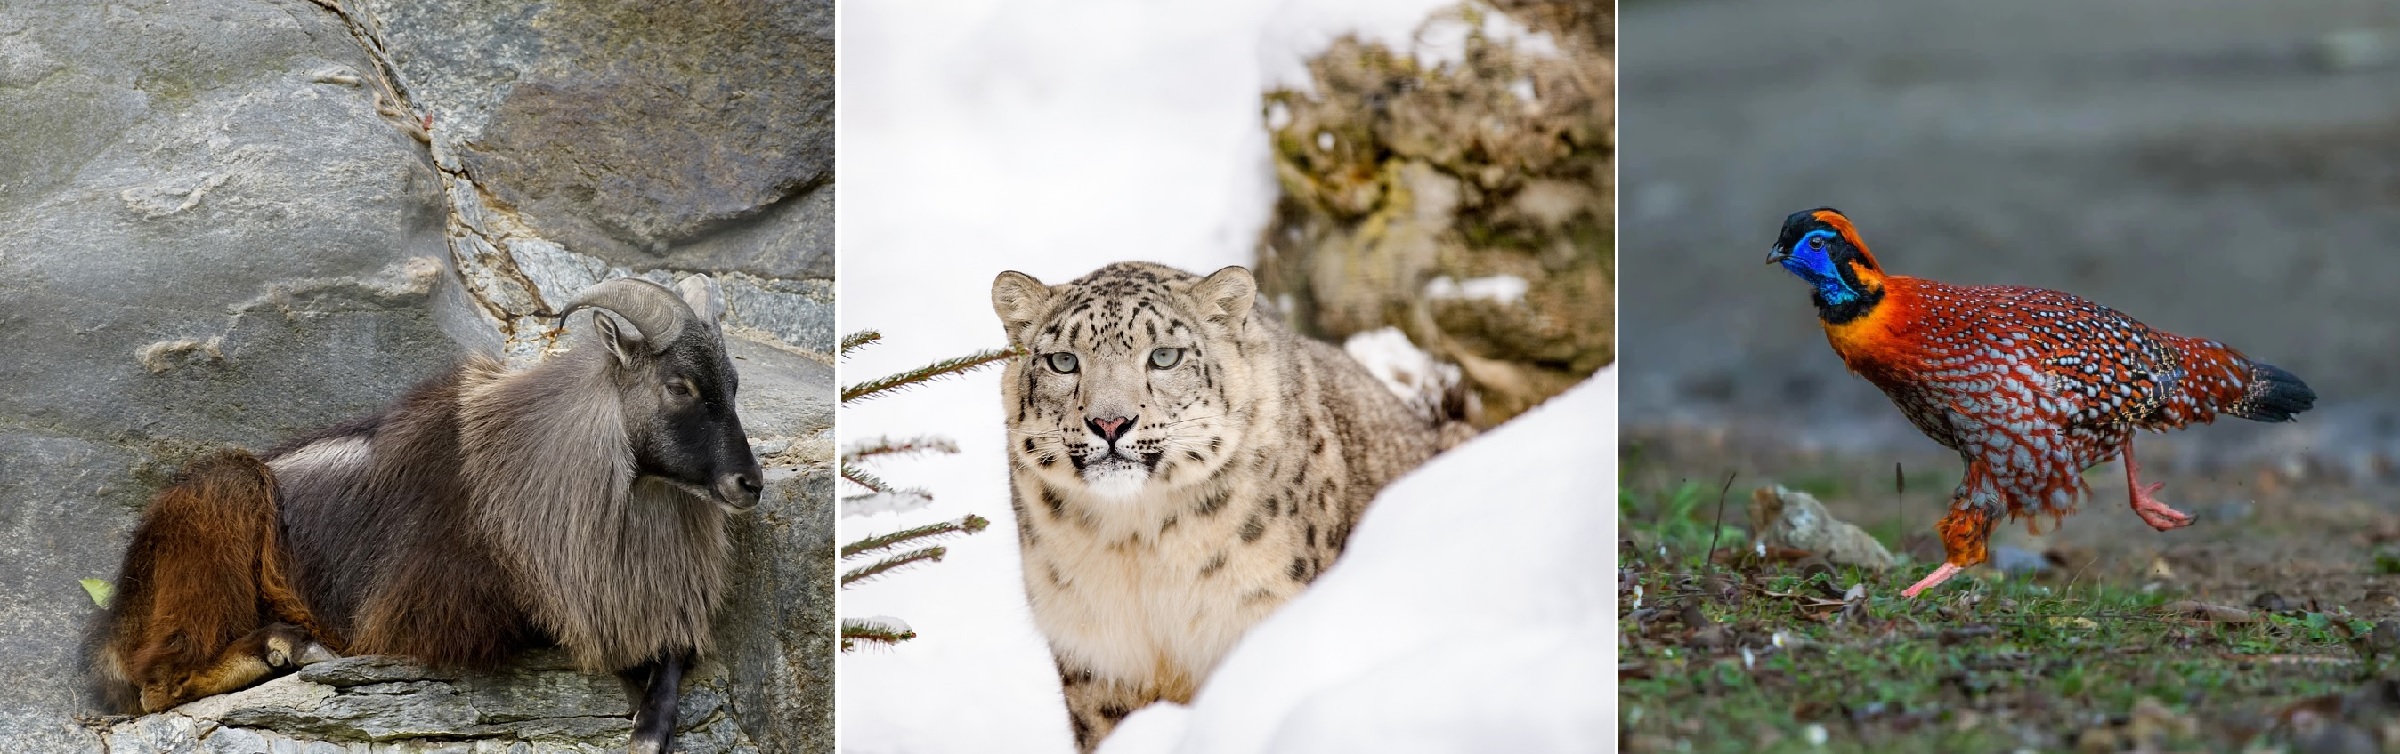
(1938, 576)
(2156, 513)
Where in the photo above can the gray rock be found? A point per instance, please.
(782, 689)
(797, 312)
(1786, 517)
(372, 669)
(2018, 561)
(192, 233)
(705, 124)
(225, 223)
(538, 705)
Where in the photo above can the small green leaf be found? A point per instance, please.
(99, 590)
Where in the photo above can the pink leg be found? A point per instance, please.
(1938, 576)
(2152, 511)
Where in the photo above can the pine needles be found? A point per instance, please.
(881, 555)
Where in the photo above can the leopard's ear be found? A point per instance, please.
(1225, 297)
(1019, 300)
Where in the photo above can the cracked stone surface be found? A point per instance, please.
(384, 704)
(225, 223)
(682, 133)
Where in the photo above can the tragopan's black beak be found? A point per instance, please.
(1778, 254)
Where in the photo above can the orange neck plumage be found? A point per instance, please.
(1874, 331)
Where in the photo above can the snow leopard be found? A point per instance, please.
(1181, 463)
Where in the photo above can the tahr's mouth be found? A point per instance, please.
(706, 493)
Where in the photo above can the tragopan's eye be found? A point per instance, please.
(1061, 362)
(1165, 358)
(1816, 242)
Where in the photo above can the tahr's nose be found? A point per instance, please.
(738, 490)
(1110, 428)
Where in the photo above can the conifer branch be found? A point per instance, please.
(890, 501)
(862, 478)
(854, 341)
(885, 385)
(969, 525)
(887, 565)
(856, 631)
(885, 446)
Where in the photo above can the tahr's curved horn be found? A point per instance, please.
(657, 313)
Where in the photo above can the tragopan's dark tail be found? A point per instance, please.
(2274, 395)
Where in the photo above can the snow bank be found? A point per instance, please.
(1471, 612)
(1050, 137)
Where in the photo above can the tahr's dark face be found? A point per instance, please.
(688, 431)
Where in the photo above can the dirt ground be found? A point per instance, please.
(2279, 554)
(2222, 169)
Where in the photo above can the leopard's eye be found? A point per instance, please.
(1165, 358)
(1061, 362)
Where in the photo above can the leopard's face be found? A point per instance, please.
(1124, 388)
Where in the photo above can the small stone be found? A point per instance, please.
(2017, 561)
(1790, 518)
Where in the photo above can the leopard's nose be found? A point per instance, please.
(1110, 428)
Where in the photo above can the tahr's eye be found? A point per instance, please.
(679, 389)
(1816, 242)
(1061, 362)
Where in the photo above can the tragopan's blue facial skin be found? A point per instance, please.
(1809, 260)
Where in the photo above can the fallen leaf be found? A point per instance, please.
(99, 590)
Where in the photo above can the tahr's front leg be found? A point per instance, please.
(655, 687)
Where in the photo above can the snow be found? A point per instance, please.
(1445, 39)
(1472, 612)
(895, 501)
(1501, 289)
(1409, 372)
(1049, 137)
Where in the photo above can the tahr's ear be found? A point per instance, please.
(700, 292)
(1019, 300)
(1225, 297)
(622, 342)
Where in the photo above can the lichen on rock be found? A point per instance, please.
(1467, 201)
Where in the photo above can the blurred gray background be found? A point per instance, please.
(2228, 170)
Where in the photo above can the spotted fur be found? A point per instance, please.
(1238, 466)
(2030, 386)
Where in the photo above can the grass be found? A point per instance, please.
(1743, 655)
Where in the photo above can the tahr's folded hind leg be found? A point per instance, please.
(202, 606)
(271, 650)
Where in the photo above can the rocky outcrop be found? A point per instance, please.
(1468, 202)
(381, 704)
(225, 222)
